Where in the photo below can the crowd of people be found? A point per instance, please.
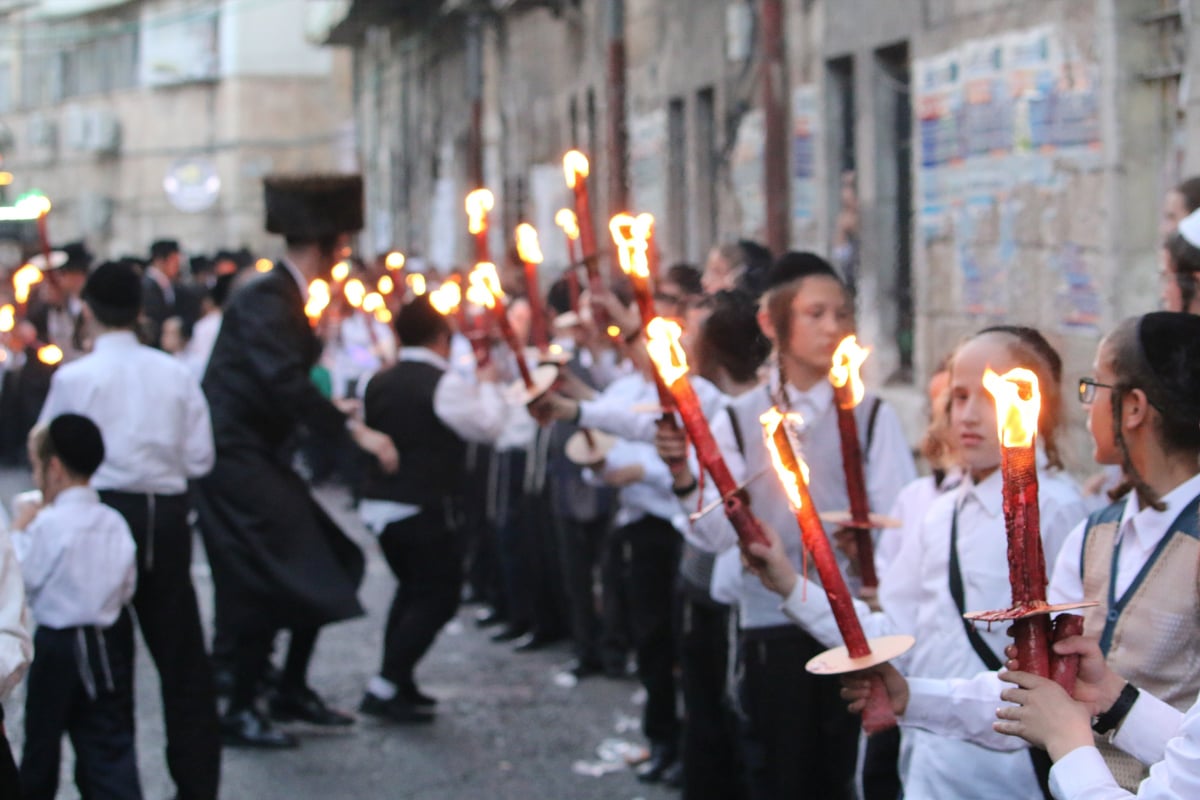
(213, 402)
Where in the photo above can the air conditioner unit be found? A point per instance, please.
(103, 132)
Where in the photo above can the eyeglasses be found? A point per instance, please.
(1088, 387)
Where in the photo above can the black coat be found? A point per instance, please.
(277, 558)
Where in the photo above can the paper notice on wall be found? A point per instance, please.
(746, 176)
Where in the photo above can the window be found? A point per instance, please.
(894, 193)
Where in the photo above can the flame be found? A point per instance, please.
(575, 166)
(394, 261)
(372, 302)
(355, 292)
(35, 204)
(771, 420)
(340, 271)
(49, 354)
(566, 219)
(528, 248)
(847, 363)
(446, 298)
(383, 315)
(479, 203)
(8, 318)
(416, 283)
(485, 280)
(662, 343)
(24, 280)
(385, 284)
(613, 331)
(263, 265)
(318, 299)
(1018, 403)
(632, 238)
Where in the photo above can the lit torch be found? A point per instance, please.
(354, 292)
(446, 299)
(485, 290)
(662, 343)
(566, 219)
(24, 279)
(416, 283)
(318, 298)
(385, 285)
(1018, 404)
(530, 252)
(478, 204)
(857, 654)
(8, 318)
(394, 261)
(49, 354)
(576, 169)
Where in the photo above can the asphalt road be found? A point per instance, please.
(509, 725)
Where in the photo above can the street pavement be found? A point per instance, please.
(509, 725)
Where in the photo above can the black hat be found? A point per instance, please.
(163, 248)
(79, 258)
(1170, 343)
(312, 206)
(114, 291)
(793, 266)
(77, 442)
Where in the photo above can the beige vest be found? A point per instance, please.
(1151, 636)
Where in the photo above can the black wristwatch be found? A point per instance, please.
(1109, 721)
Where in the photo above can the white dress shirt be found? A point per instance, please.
(628, 407)
(966, 708)
(16, 645)
(651, 496)
(149, 408)
(477, 412)
(1155, 734)
(78, 559)
(362, 347)
(199, 348)
(915, 596)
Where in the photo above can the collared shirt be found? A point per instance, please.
(477, 412)
(628, 408)
(966, 708)
(199, 348)
(158, 276)
(915, 596)
(78, 559)
(650, 496)
(16, 645)
(1175, 774)
(297, 276)
(149, 408)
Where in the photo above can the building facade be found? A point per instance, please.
(967, 161)
(158, 118)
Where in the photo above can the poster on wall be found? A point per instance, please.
(997, 115)
(648, 163)
(746, 176)
(805, 122)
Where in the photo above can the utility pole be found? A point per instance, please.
(775, 157)
(618, 140)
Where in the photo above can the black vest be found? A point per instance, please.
(399, 402)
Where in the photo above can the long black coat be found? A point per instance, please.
(278, 560)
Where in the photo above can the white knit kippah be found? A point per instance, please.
(1189, 228)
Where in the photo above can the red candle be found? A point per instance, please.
(478, 204)
(566, 219)
(486, 290)
(576, 169)
(530, 252)
(793, 475)
(848, 393)
(670, 364)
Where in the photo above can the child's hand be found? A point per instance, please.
(25, 507)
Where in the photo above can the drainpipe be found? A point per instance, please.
(775, 157)
(618, 189)
(475, 96)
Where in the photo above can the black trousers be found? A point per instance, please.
(540, 561)
(96, 714)
(167, 613)
(512, 537)
(424, 555)
(579, 550)
(712, 769)
(651, 547)
(798, 741)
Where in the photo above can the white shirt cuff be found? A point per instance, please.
(1081, 774)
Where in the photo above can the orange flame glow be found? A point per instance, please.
(662, 343)
(416, 283)
(372, 302)
(318, 299)
(385, 284)
(49, 354)
(1018, 403)
(528, 247)
(340, 271)
(575, 167)
(847, 365)
(771, 420)
(632, 235)
(394, 261)
(263, 265)
(8, 318)
(485, 287)
(383, 315)
(566, 219)
(478, 204)
(446, 298)
(355, 292)
(24, 280)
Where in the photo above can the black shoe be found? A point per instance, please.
(653, 769)
(303, 705)
(532, 642)
(585, 668)
(248, 728)
(397, 710)
(486, 617)
(509, 632)
(416, 697)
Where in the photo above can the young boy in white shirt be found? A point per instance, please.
(78, 560)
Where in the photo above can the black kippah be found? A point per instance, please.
(793, 266)
(77, 443)
(115, 285)
(1170, 343)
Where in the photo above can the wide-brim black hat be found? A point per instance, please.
(313, 205)
(79, 258)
